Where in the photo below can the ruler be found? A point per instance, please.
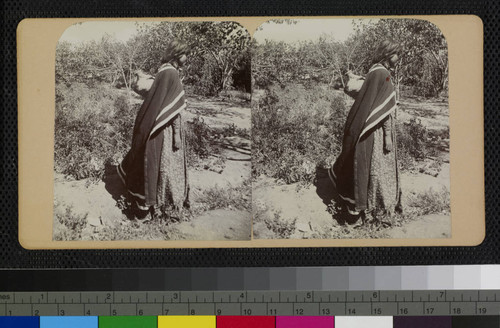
(275, 303)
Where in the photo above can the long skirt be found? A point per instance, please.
(173, 185)
(384, 190)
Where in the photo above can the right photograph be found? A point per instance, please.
(350, 130)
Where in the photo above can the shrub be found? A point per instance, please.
(199, 141)
(431, 201)
(232, 130)
(68, 225)
(413, 143)
(294, 130)
(93, 126)
(281, 228)
(226, 197)
(210, 79)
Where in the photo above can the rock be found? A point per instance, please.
(94, 221)
(303, 227)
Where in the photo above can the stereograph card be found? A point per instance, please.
(250, 132)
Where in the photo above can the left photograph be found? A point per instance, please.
(152, 132)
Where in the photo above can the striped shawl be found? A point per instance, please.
(375, 102)
(139, 169)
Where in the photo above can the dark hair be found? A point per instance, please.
(385, 50)
(174, 50)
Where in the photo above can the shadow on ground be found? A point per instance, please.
(327, 191)
(114, 186)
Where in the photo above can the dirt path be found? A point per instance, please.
(97, 202)
(220, 113)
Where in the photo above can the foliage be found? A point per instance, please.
(95, 62)
(232, 130)
(67, 224)
(413, 143)
(287, 21)
(94, 127)
(294, 130)
(423, 66)
(199, 141)
(278, 228)
(219, 51)
(424, 63)
(217, 197)
(225, 43)
(276, 63)
(431, 201)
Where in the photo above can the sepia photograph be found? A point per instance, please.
(152, 132)
(350, 130)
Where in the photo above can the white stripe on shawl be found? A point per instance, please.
(121, 173)
(332, 176)
(172, 104)
(379, 107)
(167, 119)
(136, 195)
(378, 120)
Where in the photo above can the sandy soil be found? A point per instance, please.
(98, 201)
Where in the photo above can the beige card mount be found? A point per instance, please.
(80, 84)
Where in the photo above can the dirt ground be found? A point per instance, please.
(97, 202)
(297, 211)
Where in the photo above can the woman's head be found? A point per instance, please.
(175, 51)
(388, 51)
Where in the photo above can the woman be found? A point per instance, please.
(154, 171)
(366, 172)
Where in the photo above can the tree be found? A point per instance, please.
(217, 50)
(276, 62)
(424, 64)
(226, 43)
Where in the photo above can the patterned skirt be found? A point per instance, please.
(173, 186)
(383, 185)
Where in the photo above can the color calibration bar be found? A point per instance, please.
(250, 322)
(449, 277)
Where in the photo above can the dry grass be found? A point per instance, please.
(217, 197)
(67, 224)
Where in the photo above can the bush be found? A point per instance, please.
(413, 143)
(294, 130)
(93, 126)
(68, 225)
(199, 141)
(281, 228)
(209, 79)
(226, 197)
(431, 201)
